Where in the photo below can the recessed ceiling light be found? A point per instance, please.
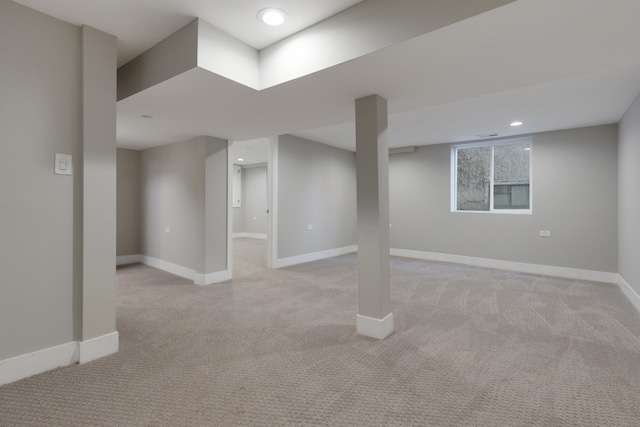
(272, 16)
(516, 123)
(147, 116)
(240, 159)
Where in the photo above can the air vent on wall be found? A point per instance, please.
(399, 150)
(487, 135)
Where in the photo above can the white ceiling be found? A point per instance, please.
(553, 64)
(140, 24)
(251, 151)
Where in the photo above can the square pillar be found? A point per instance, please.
(372, 162)
(97, 166)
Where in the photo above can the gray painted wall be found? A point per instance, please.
(40, 114)
(254, 200)
(58, 252)
(316, 185)
(184, 187)
(238, 220)
(99, 57)
(574, 185)
(173, 178)
(172, 56)
(629, 196)
(216, 191)
(128, 203)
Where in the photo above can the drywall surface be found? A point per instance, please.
(238, 220)
(574, 185)
(169, 58)
(128, 202)
(184, 203)
(629, 197)
(173, 202)
(99, 57)
(316, 186)
(214, 251)
(254, 200)
(40, 115)
(360, 30)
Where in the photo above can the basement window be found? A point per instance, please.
(492, 177)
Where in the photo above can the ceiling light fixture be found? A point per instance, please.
(272, 16)
(517, 123)
(240, 159)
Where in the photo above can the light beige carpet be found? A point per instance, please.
(471, 347)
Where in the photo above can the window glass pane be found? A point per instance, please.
(473, 178)
(501, 196)
(511, 176)
(520, 196)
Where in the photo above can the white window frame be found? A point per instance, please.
(494, 143)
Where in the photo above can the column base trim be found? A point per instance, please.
(211, 278)
(98, 347)
(374, 328)
(187, 273)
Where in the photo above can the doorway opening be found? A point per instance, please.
(250, 197)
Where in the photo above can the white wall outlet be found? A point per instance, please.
(63, 164)
(167, 230)
(310, 227)
(545, 233)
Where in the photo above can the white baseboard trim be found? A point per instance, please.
(98, 347)
(374, 328)
(169, 267)
(250, 236)
(211, 278)
(629, 292)
(37, 362)
(128, 259)
(519, 267)
(40, 361)
(314, 256)
(187, 273)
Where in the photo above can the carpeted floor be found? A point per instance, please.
(471, 347)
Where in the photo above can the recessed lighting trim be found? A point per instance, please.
(516, 123)
(240, 159)
(272, 16)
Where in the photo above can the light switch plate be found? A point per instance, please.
(63, 164)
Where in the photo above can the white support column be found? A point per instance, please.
(372, 161)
